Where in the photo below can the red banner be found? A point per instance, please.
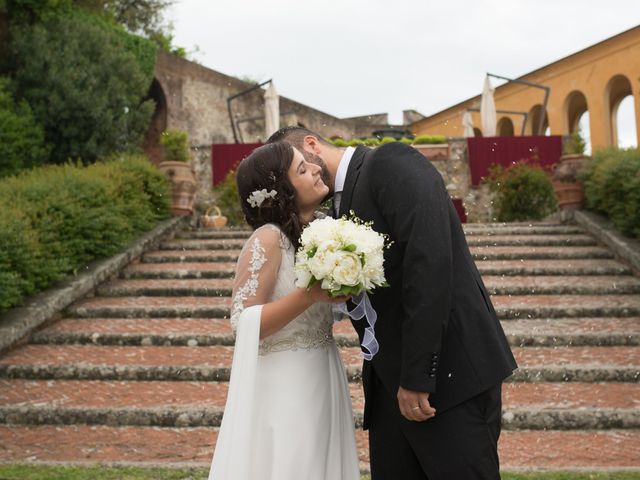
(227, 156)
(486, 151)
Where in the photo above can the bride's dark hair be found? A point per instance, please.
(267, 168)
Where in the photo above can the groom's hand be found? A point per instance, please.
(415, 406)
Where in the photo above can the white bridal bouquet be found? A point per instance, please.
(345, 255)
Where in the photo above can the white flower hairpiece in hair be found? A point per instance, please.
(258, 196)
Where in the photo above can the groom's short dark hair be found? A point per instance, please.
(294, 135)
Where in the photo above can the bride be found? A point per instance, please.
(288, 413)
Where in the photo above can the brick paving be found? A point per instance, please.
(80, 443)
(154, 348)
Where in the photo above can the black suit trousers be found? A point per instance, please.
(459, 444)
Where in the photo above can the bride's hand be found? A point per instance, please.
(317, 294)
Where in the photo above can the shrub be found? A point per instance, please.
(522, 192)
(176, 145)
(86, 81)
(371, 142)
(91, 213)
(228, 199)
(612, 187)
(355, 142)
(406, 141)
(575, 145)
(429, 139)
(21, 138)
(384, 140)
(339, 142)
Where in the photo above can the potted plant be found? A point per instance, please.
(434, 147)
(566, 173)
(178, 168)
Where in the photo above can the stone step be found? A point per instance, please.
(201, 404)
(556, 450)
(531, 240)
(570, 306)
(137, 307)
(479, 253)
(186, 270)
(523, 229)
(469, 229)
(179, 270)
(538, 253)
(197, 287)
(507, 306)
(222, 233)
(558, 285)
(219, 244)
(496, 285)
(212, 363)
(552, 267)
(196, 331)
(191, 256)
(472, 240)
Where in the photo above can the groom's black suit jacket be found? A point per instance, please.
(437, 329)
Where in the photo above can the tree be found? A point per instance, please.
(85, 83)
(21, 138)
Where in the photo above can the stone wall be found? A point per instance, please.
(193, 98)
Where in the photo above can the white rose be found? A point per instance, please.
(322, 263)
(348, 269)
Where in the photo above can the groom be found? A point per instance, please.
(433, 390)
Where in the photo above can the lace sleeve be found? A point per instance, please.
(256, 271)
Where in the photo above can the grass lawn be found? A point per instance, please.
(38, 472)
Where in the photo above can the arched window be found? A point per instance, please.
(505, 127)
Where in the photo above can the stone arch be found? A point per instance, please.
(477, 132)
(158, 123)
(505, 127)
(533, 121)
(617, 89)
(575, 105)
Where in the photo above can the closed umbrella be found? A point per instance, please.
(271, 110)
(467, 124)
(488, 110)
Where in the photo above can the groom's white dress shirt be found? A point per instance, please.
(341, 176)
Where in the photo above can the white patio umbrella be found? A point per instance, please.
(467, 124)
(271, 110)
(488, 110)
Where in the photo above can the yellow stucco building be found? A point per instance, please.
(593, 80)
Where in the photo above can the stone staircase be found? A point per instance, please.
(138, 373)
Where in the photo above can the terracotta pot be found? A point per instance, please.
(434, 152)
(183, 186)
(569, 167)
(570, 195)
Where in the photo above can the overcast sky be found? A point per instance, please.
(357, 57)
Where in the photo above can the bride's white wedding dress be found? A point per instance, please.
(288, 414)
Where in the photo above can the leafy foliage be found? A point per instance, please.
(612, 187)
(228, 199)
(575, 145)
(522, 192)
(176, 145)
(85, 81)
(429, 139)
(21, 138)
(93, 212)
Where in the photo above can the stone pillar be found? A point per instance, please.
(636, 107)
(599, 120)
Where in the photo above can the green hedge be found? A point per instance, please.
(522, 192)
(612, 187)
(63, 217)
